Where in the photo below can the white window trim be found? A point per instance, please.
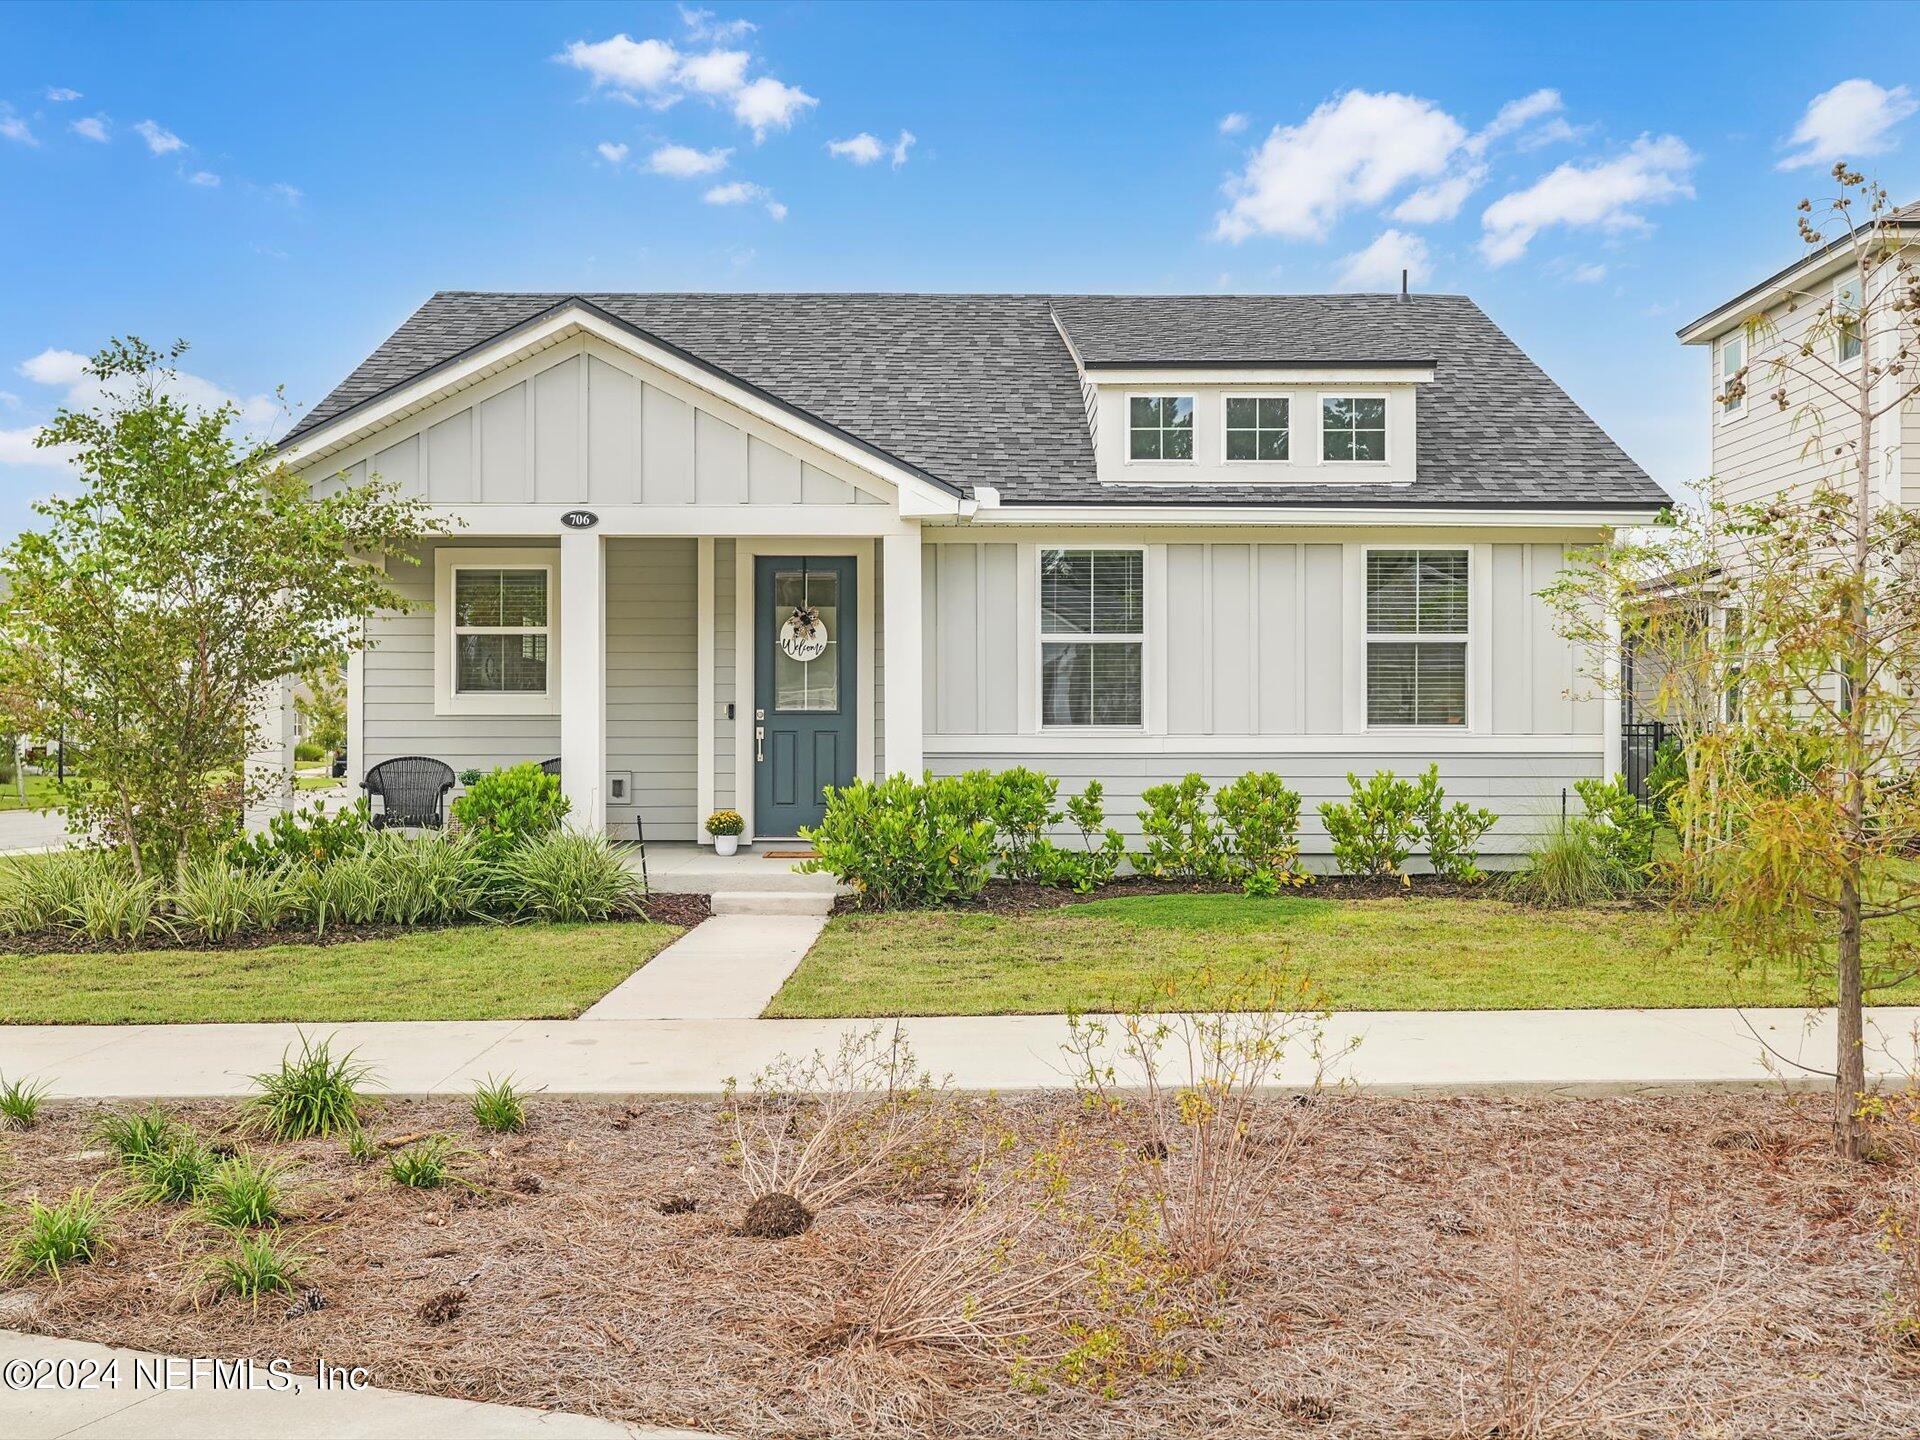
(1466, 638)
(1320, 428)
(1293, 454)
(1041, 637)
(1126, 426)
(1722, 410)
(1840, 282)
(447, 559)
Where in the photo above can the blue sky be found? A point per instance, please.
(281, 185)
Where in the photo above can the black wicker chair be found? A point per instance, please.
(552, 767)
(412, 790)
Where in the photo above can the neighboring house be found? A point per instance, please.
(1759, 449)
(722, 550)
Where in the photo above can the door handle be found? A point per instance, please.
(759, 743)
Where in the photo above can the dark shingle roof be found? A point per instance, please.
(980, 390)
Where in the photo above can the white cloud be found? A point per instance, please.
(766, 104)
(1555, 132)
(1233, 123)
(612, 151)
(1854, 118)
(628, 65)
(60, 94)
(65, 370)
(1378, 266)
(1607, 194)
(93, 127)
(9, 399)
(718, 72)
(286, 194)
(1515, 115)
(1442, 199)
(54, 367)
(160, 140)
(745, 192)
(898, 154)
(204, 178)
(861, 149)
(1589, 274)
(1350, 152)
(705, 25)
(683, 162)
(14, 127)
(17, 448)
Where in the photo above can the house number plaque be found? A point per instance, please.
(579, 519)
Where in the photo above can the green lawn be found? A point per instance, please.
(40, 793)
(1412, 954)
(471, 972)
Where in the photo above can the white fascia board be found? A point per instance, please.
(1813, 270)
(1322, 517)
(1188, 376)
(481, 518)
(928, 499)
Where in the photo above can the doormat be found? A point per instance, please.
(790, 855)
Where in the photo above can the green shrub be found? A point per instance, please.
(505, 807)
(1571, 866)
(20, 1102)
(39, 893)
(1621, 824)
(1451, 832)
(347, 892)
(309, 836)
(1261, 818)
(1183, 840)
(1374, 831)
(116, 907)
(499, 1105)
(256, 1267)
(136, 1136)
(565, 877)
(1666, 778)
(308, 751)
(53, 1237)
(1023, 811)
(243, 1193)
(174, 1174)
(313, 1094)
(1094, 863)
(900, 841)
(214, 900)
(434, 880)
(426, 1165)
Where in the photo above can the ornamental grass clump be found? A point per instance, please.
(20, 1102)
(1573, 865)
(433, 880)
(315, 1093)
(136, 1136)
(216, 901)
(428, 1164)
(244, 1192)
(174, 1174)
(52, 1238)
(257, 1266)
(565, 878)
(500, 1105)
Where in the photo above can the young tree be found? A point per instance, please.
(145, 618)
(1803, 803)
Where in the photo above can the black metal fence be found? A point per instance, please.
(1640, 742)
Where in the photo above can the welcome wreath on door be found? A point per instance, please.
(804, 635)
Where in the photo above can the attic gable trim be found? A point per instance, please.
(1777, 287)
(1330, 362)
(574, 315)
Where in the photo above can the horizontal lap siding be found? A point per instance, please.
(1523, 790)
(652, 700)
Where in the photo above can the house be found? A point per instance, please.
(724, 550)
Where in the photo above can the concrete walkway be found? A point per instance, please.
(25, 831)
(161, 1411)
(729, 967)
(1517, 1050)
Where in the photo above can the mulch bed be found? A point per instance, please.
(1660, 1267)
(1003, 897)
(661, 908)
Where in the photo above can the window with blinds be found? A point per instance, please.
(1417, 637)
(500, 631)
(1092, 632)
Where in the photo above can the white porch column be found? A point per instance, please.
(901, 589)
(1612, 699)
(270, 767)
(583, 677)
(705, 703)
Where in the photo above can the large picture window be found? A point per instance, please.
(500, 630)
(1417, 637)
(1092, 631)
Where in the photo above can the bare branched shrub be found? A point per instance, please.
(1893, 1134)
(822, 1128)
(1216, 1148)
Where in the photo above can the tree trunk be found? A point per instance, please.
(1850, 1068)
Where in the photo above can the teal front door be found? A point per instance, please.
(804, 686)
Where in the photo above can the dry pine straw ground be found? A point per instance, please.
(1380, 1299)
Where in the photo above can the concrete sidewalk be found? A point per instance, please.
(1573, 1050)
(150, 1411)
(728, 967)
